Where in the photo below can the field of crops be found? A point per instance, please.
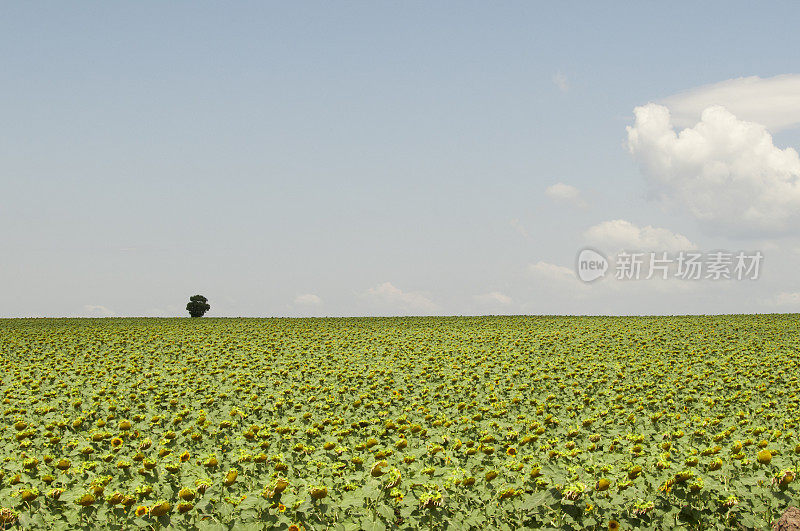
(399, 423)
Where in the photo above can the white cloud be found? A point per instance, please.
(308, 299)
(550, 271)
(565, 193)
(555, 288)
(495, 297)
(560, 81)
(724, 171)
(786, 298)
(95, 310)
(169, 310)
(619, 234)
(773, 102)
(401, 301)
(521, 230)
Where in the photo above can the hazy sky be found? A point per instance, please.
(372, 158)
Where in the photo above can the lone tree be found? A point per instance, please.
(198, 306)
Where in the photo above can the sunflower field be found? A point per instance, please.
(399, 423)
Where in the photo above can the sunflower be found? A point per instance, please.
(86, 500)
(185, 507)
(8, 516)
(764, 457)
(430, 499)
(613, 525)
(280, 485)
(785, 477)
(142, 510)
(144, 491)
(377, 469)
(28, 495)
(230, 477)
(128, 500)
(392, 479)
(508, 493)
(161, 508)
(318, 491)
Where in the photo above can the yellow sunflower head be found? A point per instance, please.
(764, 457)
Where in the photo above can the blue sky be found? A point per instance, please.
(379, 158)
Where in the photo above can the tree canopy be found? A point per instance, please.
(197, 306)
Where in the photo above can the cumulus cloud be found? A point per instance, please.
(724, 171)
(548, 271)
(786, 298)
(520, 228)
(401, 301)
(556, 286)
(96, 310)
(619, 234)
(308, 299)
(170, 311)
(773, 102)
(560, 81)
(495, 297)
(565, 193)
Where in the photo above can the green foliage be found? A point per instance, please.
(197, 306)
(400, 423)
